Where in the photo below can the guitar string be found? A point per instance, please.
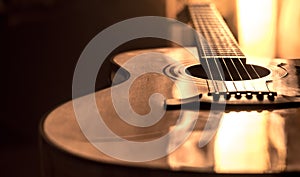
(228, 71)
(198, 26)
(212, 52)
(255, 71)
(236, 54)
(199, 43)
(222, 59)
(204, 23)
(258, 75)
(229, 34)
(215, 60)
(239, 59)
(244, 67)
(229, 74)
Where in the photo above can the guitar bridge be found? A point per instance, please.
(223, 98)
(248, 94)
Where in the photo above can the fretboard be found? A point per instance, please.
(208, 22)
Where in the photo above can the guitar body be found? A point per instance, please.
(243, 141)
(207, 110)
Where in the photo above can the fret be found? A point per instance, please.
(209, 23)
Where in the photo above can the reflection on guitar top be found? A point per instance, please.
(245, 142)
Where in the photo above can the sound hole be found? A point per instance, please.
(246, 72)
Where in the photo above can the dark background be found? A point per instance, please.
(40, 43)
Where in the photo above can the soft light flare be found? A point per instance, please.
(257, 27)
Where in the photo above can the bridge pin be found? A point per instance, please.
(260, 96)
(249, 95)
(271, 97)
(238, 95)
(227, 95)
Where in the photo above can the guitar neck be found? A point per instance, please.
(208, 22)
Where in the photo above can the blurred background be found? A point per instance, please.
(41, 40)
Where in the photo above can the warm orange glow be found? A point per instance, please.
(257, 27)
(245, 142)
(288, 29)
(241, 144)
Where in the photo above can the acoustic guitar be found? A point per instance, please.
(221, 113)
